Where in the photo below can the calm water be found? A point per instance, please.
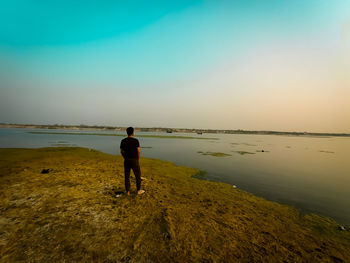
(310, 173)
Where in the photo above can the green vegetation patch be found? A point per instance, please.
(322, 151)
(216, 154)
(243, 143)
(63, 145)
(77, 212)
(248, 144)
(123, 135)
(243, 152)
(200, 174)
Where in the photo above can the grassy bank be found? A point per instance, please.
(72, 214)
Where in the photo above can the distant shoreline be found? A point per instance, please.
(167, 130)
(123, 135)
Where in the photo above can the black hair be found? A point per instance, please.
(130, 131)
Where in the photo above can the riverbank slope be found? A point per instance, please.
(72, 213)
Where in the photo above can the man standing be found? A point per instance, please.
(130, 150)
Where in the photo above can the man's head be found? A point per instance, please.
(130, 131)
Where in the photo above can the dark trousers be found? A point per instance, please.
(135, 166)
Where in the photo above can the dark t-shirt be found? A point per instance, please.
(130, 145)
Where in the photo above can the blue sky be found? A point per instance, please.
(206, 64)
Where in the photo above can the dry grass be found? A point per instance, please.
(72, 214)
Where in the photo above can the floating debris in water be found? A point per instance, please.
(262, 151)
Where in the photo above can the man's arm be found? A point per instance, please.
(138, 152)
(122, 147)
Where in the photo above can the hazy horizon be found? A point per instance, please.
(251, 65)
(164, 127)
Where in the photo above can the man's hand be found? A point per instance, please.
(122, 152)
(139, 152)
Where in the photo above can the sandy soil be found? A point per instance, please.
(73, 214)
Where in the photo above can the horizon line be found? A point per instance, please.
(177, 128)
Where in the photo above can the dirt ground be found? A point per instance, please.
(76, 213)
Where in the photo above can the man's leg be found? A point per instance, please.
(137, 171)
(127, 176)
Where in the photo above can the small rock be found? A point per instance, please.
(167, 236)
(234, 186)
(45, 171)
(341, 228)
(126, 259)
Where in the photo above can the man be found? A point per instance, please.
(130, 150)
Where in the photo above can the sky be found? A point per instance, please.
(238, 64)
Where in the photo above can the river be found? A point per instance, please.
(310, 173)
